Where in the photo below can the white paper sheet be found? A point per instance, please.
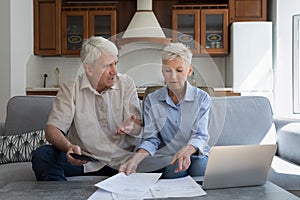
(179, 187)
(135, 184)
(101, 194)
(163, 188)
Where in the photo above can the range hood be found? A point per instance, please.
(144, 27)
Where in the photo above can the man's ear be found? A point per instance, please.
(88, 69)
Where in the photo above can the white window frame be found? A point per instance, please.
(296, 64)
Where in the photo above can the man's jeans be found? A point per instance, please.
(197, 168)
(162, 165)
(50, 164)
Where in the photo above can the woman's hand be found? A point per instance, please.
(129, 167)
(75, 149)
(183, 156)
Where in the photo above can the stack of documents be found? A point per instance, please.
(138, 186)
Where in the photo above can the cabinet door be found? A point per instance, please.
(248, 10)
(102, 23)
(214, 27)
(186, 28)
(74, 31)
(47, 27)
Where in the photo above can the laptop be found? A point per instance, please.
(237, 166)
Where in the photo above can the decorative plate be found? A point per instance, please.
(214, 37)
(185, 38)
(74, 39)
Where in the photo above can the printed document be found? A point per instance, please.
(134, 187)
(134, 184)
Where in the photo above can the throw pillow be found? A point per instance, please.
(18, 148)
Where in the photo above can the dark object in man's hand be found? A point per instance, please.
(83, 157)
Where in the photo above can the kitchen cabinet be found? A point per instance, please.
(204, 28)
(47, 27)
(80, 23)
(247, 10)
(214, 34)
(186, 28)
(60, 29)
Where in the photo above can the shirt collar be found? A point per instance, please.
(85, 83)
(189, 94)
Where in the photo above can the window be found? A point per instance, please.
(296, 64)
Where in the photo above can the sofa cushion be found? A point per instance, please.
(27, 113)
(288, 139)
(240, 120)
(18, 148)
(20, 171)
(285, 174)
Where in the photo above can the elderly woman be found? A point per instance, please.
(97, 110)
(175, 120)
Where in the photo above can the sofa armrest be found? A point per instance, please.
(288, 140)
(2, 128)
(281, 122)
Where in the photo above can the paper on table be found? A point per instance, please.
(101, 194)
(179, 187)
(134, 184)
(147, 195)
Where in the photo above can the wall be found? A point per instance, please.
(141, 63)
(16, 47)
(21, 43)
(4, 56)
(283, 60)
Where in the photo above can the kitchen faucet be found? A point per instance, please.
(57, 75)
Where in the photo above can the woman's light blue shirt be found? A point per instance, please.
(168, 127)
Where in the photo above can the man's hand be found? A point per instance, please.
(127, 125)
(75, 149)
(183, 156)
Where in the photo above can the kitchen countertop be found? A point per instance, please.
(42, 89)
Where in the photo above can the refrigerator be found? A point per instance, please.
(249, 68)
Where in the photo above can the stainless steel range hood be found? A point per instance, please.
(144, 27)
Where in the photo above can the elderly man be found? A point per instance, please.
(96, 114)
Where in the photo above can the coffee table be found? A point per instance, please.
(83, 189)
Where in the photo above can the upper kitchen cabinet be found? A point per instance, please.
(60, 27)
(214, 26)
(47, 23)
(247, 10)
(186, 26)
(80, 23)
(204, 28)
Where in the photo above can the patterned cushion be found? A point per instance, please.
(18, 148)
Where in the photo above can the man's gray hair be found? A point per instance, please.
(174, 50)
(94, 47)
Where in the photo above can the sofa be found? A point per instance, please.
(235, 120)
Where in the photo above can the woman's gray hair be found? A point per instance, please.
(94, 47)
(174, 50)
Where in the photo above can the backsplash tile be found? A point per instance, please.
(143, 65)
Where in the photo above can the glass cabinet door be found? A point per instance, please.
(102, 23)
(186, 26)
(74, 31)
(214, 26)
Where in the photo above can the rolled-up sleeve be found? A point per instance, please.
(199, 137)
